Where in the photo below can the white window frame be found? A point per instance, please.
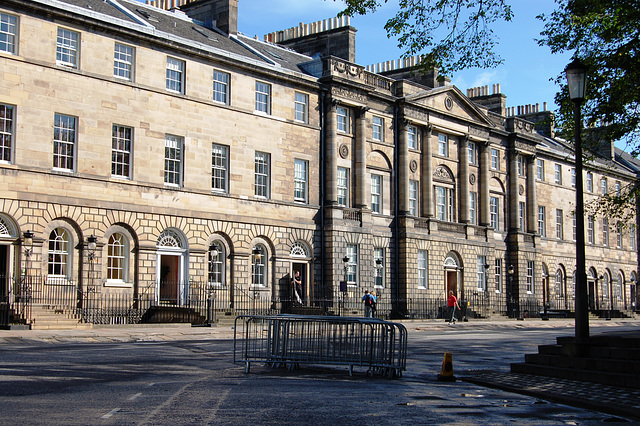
(530, 277)
(520, 165)
(423, 269)
(68, 48)
(7, 132)
(342, 183)
(343, 115)
(262, 179)
(65, 142)
(259, 266)
(117, 258)
(618, 188)
(352, 265)
(619, 234)
(558, 174)
(301, 107)
(376, 193)
(121, 151)
(263, 98)
(219, 168)
(605, 231)
(443, 145)
(9, 33)
(377, 128)
(221, 87)
(540, 169)
(632, 237)
(175, 72)
(472, 151)
(589, 181)
(216, 266)
(559, 284)
(300, 181)
(414, 192)
(604, 186)
(444, 203)
(542, 221)
(495, 159)
(497, 272)
(559, 224)
(473, 207)
(59, 253)
(522, 211)
(173, 160)
(590, 229)
(481, 274)
(573, 177)
(494, 213)
(412, 137)
(123, 61)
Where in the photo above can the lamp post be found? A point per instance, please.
(91, 255)
(26, 282)
(510, 272)
(213, 257)
(343, 285)
(577, 81)
(257, 256)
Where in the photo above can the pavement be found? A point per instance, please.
(618, 401)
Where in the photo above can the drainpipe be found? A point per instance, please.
(322, 184)
(396, 209)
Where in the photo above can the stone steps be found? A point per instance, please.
(49, 317)
(612, 360)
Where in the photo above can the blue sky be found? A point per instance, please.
(525, 77)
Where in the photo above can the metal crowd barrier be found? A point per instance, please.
(290, 340)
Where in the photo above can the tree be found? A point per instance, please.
(604, 34)
(451, 34)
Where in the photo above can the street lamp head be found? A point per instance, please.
(213, 250)
(92, 240)
(345, 259)
(510, 270)
(28, 237)
(577, 80)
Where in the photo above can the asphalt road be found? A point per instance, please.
(192, 380)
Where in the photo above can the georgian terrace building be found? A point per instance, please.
(161, 155)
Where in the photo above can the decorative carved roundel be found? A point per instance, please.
(448, 103)
(413, 166)
(472, 179)
(344, 151)
(520, 189)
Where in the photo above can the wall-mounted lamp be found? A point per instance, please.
(511, 270)
(28, 243)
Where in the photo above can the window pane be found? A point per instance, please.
(263, 97)
(6, 132)
(123, 61)
(64, 138)
(219, 161)
(301, 107)
(300, 181)
(262, 174)
(220, 87)
(67, 48)
(8, 33)
(121, 151)
(173, 160)
(175, 75)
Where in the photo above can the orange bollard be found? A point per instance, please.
(446, 372)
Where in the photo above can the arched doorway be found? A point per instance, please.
(452, 267)
(299, 254)
(171, 261)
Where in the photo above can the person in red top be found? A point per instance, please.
(452, 304)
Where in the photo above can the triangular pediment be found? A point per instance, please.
(449, 101)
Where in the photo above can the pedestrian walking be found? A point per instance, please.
(368, 304)
(452, 304)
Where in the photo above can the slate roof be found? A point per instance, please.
(176, 27)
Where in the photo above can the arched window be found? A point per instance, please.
(605, 285)
(259, 265)
(58, 254)
(169, 238)
(117, 257)
(217, 258)
(298, 250)
(559, 284)
(5, 228)
(618, 288)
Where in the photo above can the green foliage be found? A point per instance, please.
(605, 35)
(450, 34)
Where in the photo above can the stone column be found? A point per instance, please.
(360, 156)
(514, 192)
(532, 199)
(331, 154)
(483, 185)
(426, 171)
(463, 178)
(403, 168)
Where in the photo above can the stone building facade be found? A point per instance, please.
(189, 153)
